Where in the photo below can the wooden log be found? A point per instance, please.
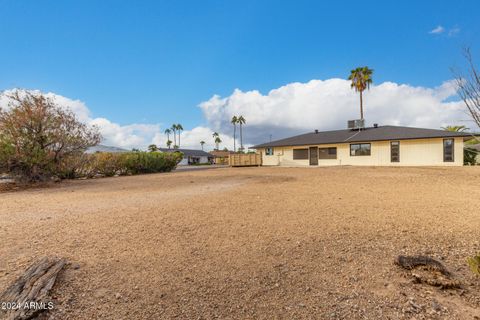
(29, 294)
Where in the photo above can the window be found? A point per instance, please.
(395, 151)
(327, 153)
(300, 154)
(360, 149)
(448, 153)
(269, 151)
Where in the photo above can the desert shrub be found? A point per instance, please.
(151, 162)
(470, 156)
(108, 164)
(474, 264)
(38, 138)
(79, 166)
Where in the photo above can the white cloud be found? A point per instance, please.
(291, 109)
(448, 32)
(137, 135)
(453, 31)
(326, 105)
(439, 29)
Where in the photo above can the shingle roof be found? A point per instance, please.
(380, 133)
(188, 152)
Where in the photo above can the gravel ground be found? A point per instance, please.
(250, 243)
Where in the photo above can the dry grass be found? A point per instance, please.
(250, 243)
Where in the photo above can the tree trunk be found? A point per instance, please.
(30, 292)
(241, 138)
(179, 138)
(361, 105)
(234, 136)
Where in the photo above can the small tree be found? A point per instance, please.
(152, 148)
(38, 137)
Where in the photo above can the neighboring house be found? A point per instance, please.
(103, 148)
(372, 146)
(221, 156)
(191, 156)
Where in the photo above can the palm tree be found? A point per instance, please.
(217, 142)
(152, 148)
(202, 143)
(455, 128)
(167, 132)
(215, 135)
(234, 121)
(361, 79)
(169, 143)
(241, 121)
(179, 129)
(174, 129)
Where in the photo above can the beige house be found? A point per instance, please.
(373, 146)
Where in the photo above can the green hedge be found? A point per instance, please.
(108, 164)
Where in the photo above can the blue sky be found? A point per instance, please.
(156, 61)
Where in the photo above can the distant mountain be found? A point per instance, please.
(102, 148)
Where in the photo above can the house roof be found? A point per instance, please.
(104, 148)
(221, 153)
(379, 133)
(188, 152)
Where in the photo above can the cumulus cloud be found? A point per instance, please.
(136, 135)
(437, 30)
(327, 105)
(291, 109)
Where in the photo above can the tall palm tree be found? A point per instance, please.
(169, 143)
(167, 132)
(215, 135)
(234, 121)
(241, 121)
(361, 79)
(174, 129)
(179, 129)
(152, 148)
(217, 142)
(202, 143)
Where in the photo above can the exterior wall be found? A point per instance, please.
(203, 159)
(415, 152)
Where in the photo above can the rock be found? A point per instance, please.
(118, 295)
(436, 306)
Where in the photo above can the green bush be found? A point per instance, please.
(150, 162)
(110, 164)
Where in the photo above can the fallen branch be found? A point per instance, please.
(29, 294)
(428, 270)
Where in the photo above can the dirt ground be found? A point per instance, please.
(250, 243)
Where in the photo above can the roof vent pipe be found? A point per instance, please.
(375, 125)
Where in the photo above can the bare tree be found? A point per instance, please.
(468, 87)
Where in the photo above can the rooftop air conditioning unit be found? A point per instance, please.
(356, 124)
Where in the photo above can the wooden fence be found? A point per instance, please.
(244, 160)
